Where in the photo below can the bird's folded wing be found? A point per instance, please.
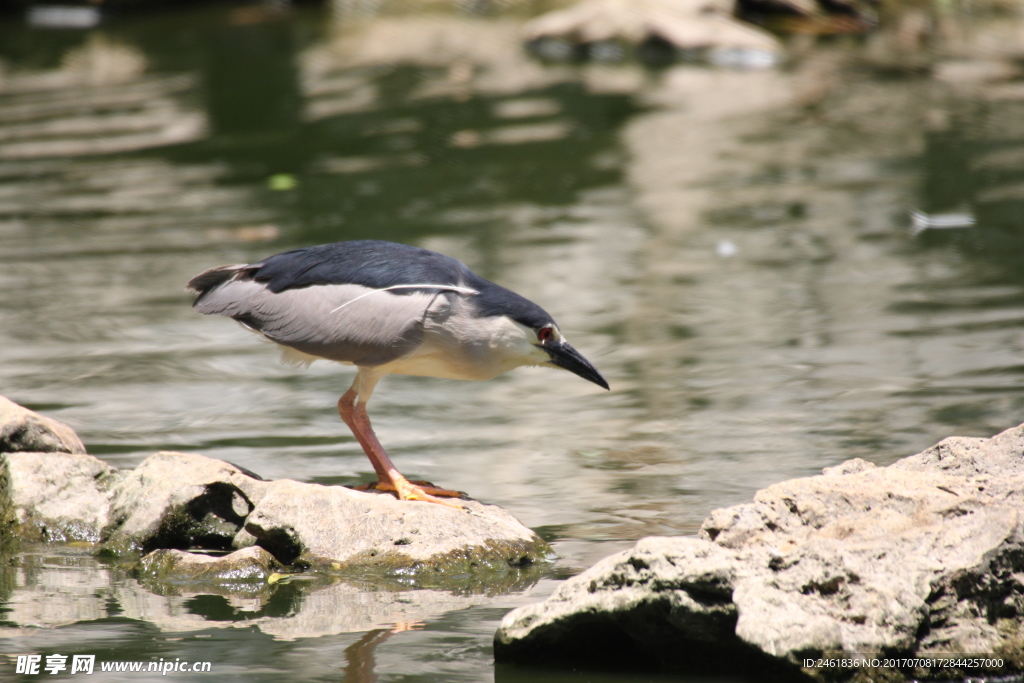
(342, 322)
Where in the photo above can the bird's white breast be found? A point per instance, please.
(457, 345)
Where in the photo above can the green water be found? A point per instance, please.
(771, 316)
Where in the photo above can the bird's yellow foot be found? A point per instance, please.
(416, 490)
(402, 626)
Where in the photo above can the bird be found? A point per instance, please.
(387, 308)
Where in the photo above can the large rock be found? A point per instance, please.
(920, 559)
(665, 604)
(182, 501)
(50, 490)
(54, 497)
(341, 528)
(22, 430)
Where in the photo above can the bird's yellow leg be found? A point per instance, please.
(354, 415)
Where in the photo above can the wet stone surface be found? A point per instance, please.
(249, 565)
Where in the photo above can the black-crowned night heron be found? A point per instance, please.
(387, 309)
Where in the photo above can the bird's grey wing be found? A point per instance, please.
(341, 322)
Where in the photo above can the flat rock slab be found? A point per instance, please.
(341, 528)
(180, 501)
(920, 559)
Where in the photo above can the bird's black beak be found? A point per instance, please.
(566, 357)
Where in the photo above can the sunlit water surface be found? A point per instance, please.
(792, 323)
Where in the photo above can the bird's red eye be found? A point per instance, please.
(545, 333)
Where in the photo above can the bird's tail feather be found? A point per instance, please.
(212, 278)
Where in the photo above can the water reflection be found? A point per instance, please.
(58, 587)
(359, 658)
(974, 165)
(250, 79)
(63, 600)
(133, 156)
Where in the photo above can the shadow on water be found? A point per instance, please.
(389, 166)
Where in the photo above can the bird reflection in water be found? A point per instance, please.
(359, 659)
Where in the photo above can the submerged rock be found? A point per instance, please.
(249, 565)
(919, 559)
(181, 501)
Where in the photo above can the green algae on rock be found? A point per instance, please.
(249, 565)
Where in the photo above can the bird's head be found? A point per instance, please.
(561, 354)
(523, 333)
(500, 343)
